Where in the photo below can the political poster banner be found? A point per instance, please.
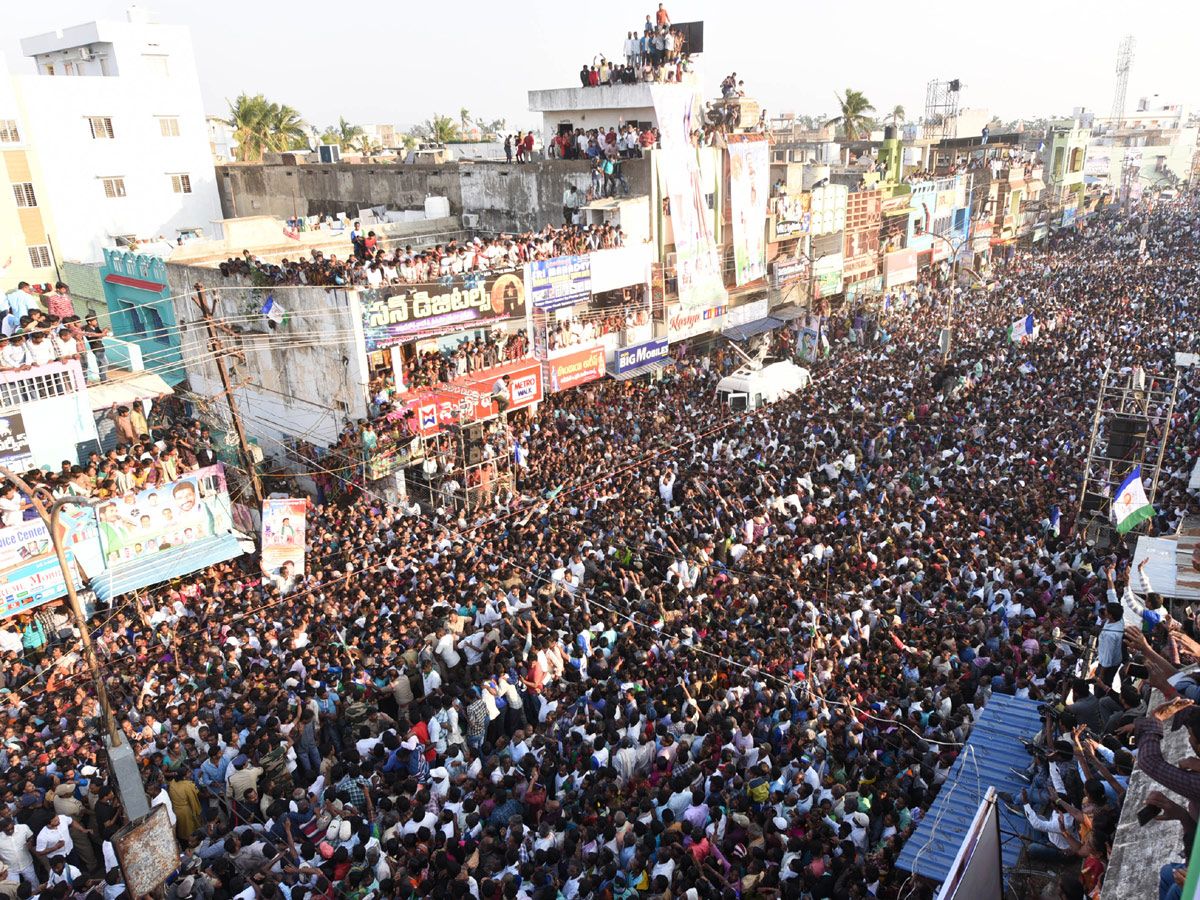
(575, 368)
(139, 524)
(793, 215)
(14, 445)
(697, 258)
(749, 185)
(30, 574)
(283, 536)
(560, 282)
(396, 315)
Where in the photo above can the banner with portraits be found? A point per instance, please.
(283, 537)
(749, 185)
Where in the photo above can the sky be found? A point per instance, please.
(401, 63)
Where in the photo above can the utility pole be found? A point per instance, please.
(122, 765)
(218, 352)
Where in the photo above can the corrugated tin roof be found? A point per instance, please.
(987, 760)
(165, 565)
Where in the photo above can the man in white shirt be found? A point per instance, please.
(16, 840)
(55, 839)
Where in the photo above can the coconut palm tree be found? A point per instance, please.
(897, 114)
(464, 120)
(288, 130)
(853, 120)
(259, 126)
(343, 133)
(440, 129)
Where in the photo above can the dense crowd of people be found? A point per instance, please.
(455, 262)
(684, 653)
(659, 52)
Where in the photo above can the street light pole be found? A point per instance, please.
(123, 765)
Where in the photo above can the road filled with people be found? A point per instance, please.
(685, 652)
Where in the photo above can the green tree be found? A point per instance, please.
(853, 121)
(464, 120)
(260, 126)
(343, 134)
(897, 114)
(440, 129)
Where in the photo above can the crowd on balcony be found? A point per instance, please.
(626, 141)
(450, 263)
(34, 337)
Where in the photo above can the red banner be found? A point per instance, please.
(575, 369)
(471, 399)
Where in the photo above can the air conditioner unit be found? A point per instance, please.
(85, 54)
(470, 220)
(256, 454)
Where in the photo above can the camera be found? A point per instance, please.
(1148, 813)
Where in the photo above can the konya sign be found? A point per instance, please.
(395, 315)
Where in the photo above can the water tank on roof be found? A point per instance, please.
(814, 173)
(437, 207)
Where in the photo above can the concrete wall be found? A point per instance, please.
(520, 198)
(251, 189)
(305, 378)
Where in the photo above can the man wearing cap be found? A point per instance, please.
(243, 778)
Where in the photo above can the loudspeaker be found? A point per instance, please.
(472, 434)
(474, 454)
(1126, 439)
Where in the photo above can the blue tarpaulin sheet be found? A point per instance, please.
(741, 332)
(987, 760)
(165, 565)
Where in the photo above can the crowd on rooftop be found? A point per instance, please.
(683, 654)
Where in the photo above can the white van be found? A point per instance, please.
(752, 386)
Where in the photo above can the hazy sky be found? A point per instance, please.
(400, 62)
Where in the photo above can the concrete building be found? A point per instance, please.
(565, 109)
(220, 139)
(114, 118)
(1065, 153)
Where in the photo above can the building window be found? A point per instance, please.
(101, 127)
(146, 321)
(8, 132)
(114, 187)
(23, 191)
(181, 184)
(68, 68)
(169, 126)
(49, 68)
(156, 65)
(39, 256)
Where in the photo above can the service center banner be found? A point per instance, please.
(749, 184)
(575, 368)
(629, 358)
(283, 535)
(29, 571)
(398, 314)
(560, 282)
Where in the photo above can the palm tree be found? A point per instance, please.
(343, 134)
(852, 120)
(464, 120)
(260, 126)
(897, 114)
(440, 129)
(248, 117)
(364, 143)
(287, 128)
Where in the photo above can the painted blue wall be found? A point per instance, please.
(142, 317)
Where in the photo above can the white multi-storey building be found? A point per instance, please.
(114, 118)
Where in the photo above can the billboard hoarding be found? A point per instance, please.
(685, 323)
(469, 401)
(793, 215)
(283, 527)
(575, 369)
(630, 358)
(30, 574)
(749, 184)
(900, 267)
(398, 314)
(139, 524)
(560, 282)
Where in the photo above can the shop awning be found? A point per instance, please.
(788, 313)
(638, 372)
(741, 332)
(124, 388)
